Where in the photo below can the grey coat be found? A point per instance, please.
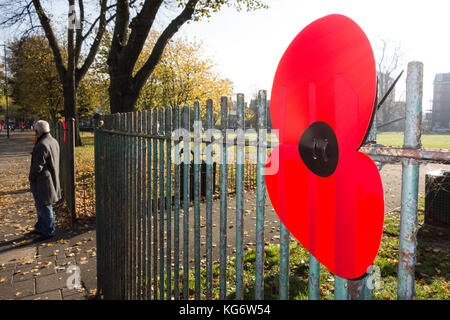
(44, 170)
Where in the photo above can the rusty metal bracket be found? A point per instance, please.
(383, 153)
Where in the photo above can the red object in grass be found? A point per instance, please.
(326, 193)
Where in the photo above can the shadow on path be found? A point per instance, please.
(21, 191)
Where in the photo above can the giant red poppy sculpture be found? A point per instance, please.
(326, 193)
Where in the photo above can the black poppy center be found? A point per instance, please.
(318, 148)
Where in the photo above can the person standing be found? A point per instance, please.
(44, 179)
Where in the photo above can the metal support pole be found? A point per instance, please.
(98, 190)
(161, 129)
(314, 278)
(197, 162)
(260, 196)
(240, 161)
(209, 203)
(155, 204)
(168, 127)
(223, 198)
(71, 173)
(284, 262)
(176, 223)
(340, 288)
(6, 93)
(373, 130)
(186, 193)
(410, 183)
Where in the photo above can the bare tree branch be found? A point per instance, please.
(79, 33)
(140, 27)
(95, 45)
(16, 14)
(108, 20)
(120, 31)
(166, 35)
(45, 23)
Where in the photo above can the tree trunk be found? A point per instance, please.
(126, 46)
(122, 95)
(70, 109)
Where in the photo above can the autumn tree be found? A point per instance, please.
(82, 37)
(35, 84)
(130, 35)
(35, 81)
(132, 23)
(182, 76)
(90, 95)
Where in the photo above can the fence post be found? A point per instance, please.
(122, 204)
(148, 213)
(410, 180)
(197, 161)
(176, 213)
(223, 197)
(71, 170)
(209, 203)
(261, 197)
(117, 212)
(128, 146)
(284, 262)
(155, 203)
(340, 288)
(169, 201)
(161, 133)
(142, 203)
(186, 196)
(314, 278)
(240, 162)
(98, 190)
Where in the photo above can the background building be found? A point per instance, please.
(441, 102)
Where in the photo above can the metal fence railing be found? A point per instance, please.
(147, 239)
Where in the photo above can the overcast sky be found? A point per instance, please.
(248, 46)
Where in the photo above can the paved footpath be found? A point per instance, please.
(38, 271)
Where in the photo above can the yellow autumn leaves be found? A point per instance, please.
(182, 76)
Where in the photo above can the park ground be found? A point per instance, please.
(38, 271)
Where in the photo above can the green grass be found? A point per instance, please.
(433, 141)
(87, 138)
(84, 155)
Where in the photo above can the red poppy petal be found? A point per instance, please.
(339, 219)
(326, 74)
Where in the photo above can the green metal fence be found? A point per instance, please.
(147, 239)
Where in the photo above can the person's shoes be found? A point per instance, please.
(32, 234)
